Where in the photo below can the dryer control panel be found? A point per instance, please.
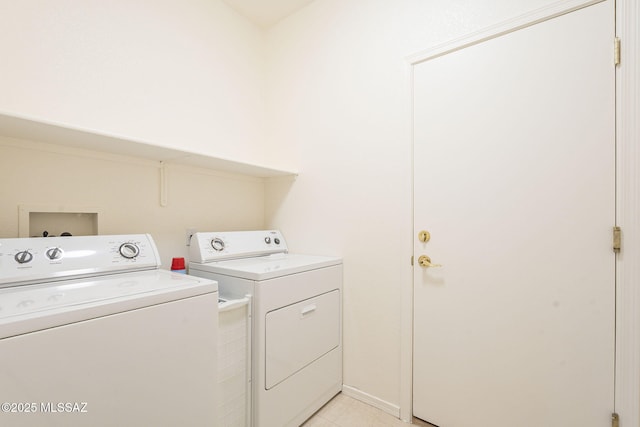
(223, 245)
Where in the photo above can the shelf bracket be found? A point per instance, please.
(163, 184)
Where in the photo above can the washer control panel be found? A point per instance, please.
(41, 259)
(218, 246)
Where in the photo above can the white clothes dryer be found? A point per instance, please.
(92, 332)
(296, 310)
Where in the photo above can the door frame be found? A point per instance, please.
(627, 371)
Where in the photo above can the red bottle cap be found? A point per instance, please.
(177, 264)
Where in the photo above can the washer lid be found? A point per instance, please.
(266, 267)
(30, 308)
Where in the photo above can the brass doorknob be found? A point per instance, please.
(425, 261)
(424, 236)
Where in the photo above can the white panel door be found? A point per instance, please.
(514, 179)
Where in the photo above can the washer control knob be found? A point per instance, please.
(276, 241)
(54, 253)
(23, 257)
(129, 250)
(217, 244)
(267, 240)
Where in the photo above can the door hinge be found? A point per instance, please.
(616, 51)
(615, 420)
(411, 260)
(617, 239)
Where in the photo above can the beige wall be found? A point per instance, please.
(184, 74)
(126, 191)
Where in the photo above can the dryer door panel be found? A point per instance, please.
(299, 334)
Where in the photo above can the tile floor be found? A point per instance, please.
(345, 411)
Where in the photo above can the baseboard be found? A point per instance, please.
(376, 402)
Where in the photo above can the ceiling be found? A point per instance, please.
(266, 12)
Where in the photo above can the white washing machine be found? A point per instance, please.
(93, 333)
(296, 319)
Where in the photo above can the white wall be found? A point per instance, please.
(179, 73)
(339, 98)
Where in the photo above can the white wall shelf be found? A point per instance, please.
(61, 134)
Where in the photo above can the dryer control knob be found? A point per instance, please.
(267, 240)
(129, 250)
(217, 244)
(23, 257)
